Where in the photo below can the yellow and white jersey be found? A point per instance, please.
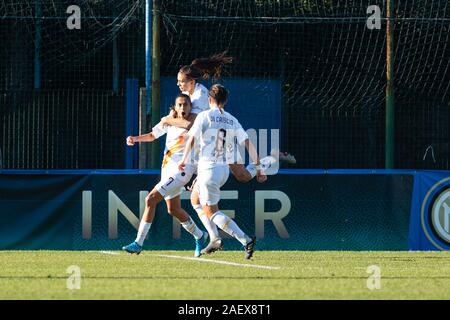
(199, 98)
(175, 143)
(216, 132)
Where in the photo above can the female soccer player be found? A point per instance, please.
(216, 130)
(187, 78)
(172, 181)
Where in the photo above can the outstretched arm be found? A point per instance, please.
(148, 137)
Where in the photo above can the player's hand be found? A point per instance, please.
(173, 113)
(181, 165)
(261, 177)
(131, 141)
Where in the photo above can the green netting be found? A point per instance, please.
(331, 66)
(422, 84)
(77, 118)
(70, 58)
(333, 72)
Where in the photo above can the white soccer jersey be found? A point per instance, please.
(217, 131)
(175, 143)
(172, 180)
(199, 98)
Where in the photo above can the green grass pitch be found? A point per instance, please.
(224, 275)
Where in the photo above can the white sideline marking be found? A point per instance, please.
(218, 261)
(110, 252)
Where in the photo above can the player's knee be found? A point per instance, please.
(195, 200)
(171, 210)
(151, 199)
(195, 203)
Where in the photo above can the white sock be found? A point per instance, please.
(251, 169)
(209, 225)
(265, 164)
(229, 226)
(142, 232)
(192, 228)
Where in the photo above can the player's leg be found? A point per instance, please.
(174, 208)
(167, 185)
(245, 174)
(207, 223)
(171, 188)
(152, 199)
(283, 156)
(240, 172)
(229, 226)
(287, 157)
(210, 181)
(267, 164)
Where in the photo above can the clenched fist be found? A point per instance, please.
(131, 141)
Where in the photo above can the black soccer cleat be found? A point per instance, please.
(250, 248)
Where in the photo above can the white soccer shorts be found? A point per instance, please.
(173, 181)
(209, 183)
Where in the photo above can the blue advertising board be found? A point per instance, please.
(430, 215)
(294, 210)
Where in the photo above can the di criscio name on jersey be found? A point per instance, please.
(225, 309)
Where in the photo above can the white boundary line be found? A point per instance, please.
(201, 260)
(110, 252)
(216, 261)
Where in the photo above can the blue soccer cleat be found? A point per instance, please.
(133, 248)
(200, 243)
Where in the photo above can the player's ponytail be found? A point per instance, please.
(207, 67)
(219, 93)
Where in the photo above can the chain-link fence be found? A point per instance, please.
(331, 66)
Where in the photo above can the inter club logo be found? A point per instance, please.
(440, 215)
(436, 215)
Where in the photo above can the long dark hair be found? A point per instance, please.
(207, 67)
(219, 93)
